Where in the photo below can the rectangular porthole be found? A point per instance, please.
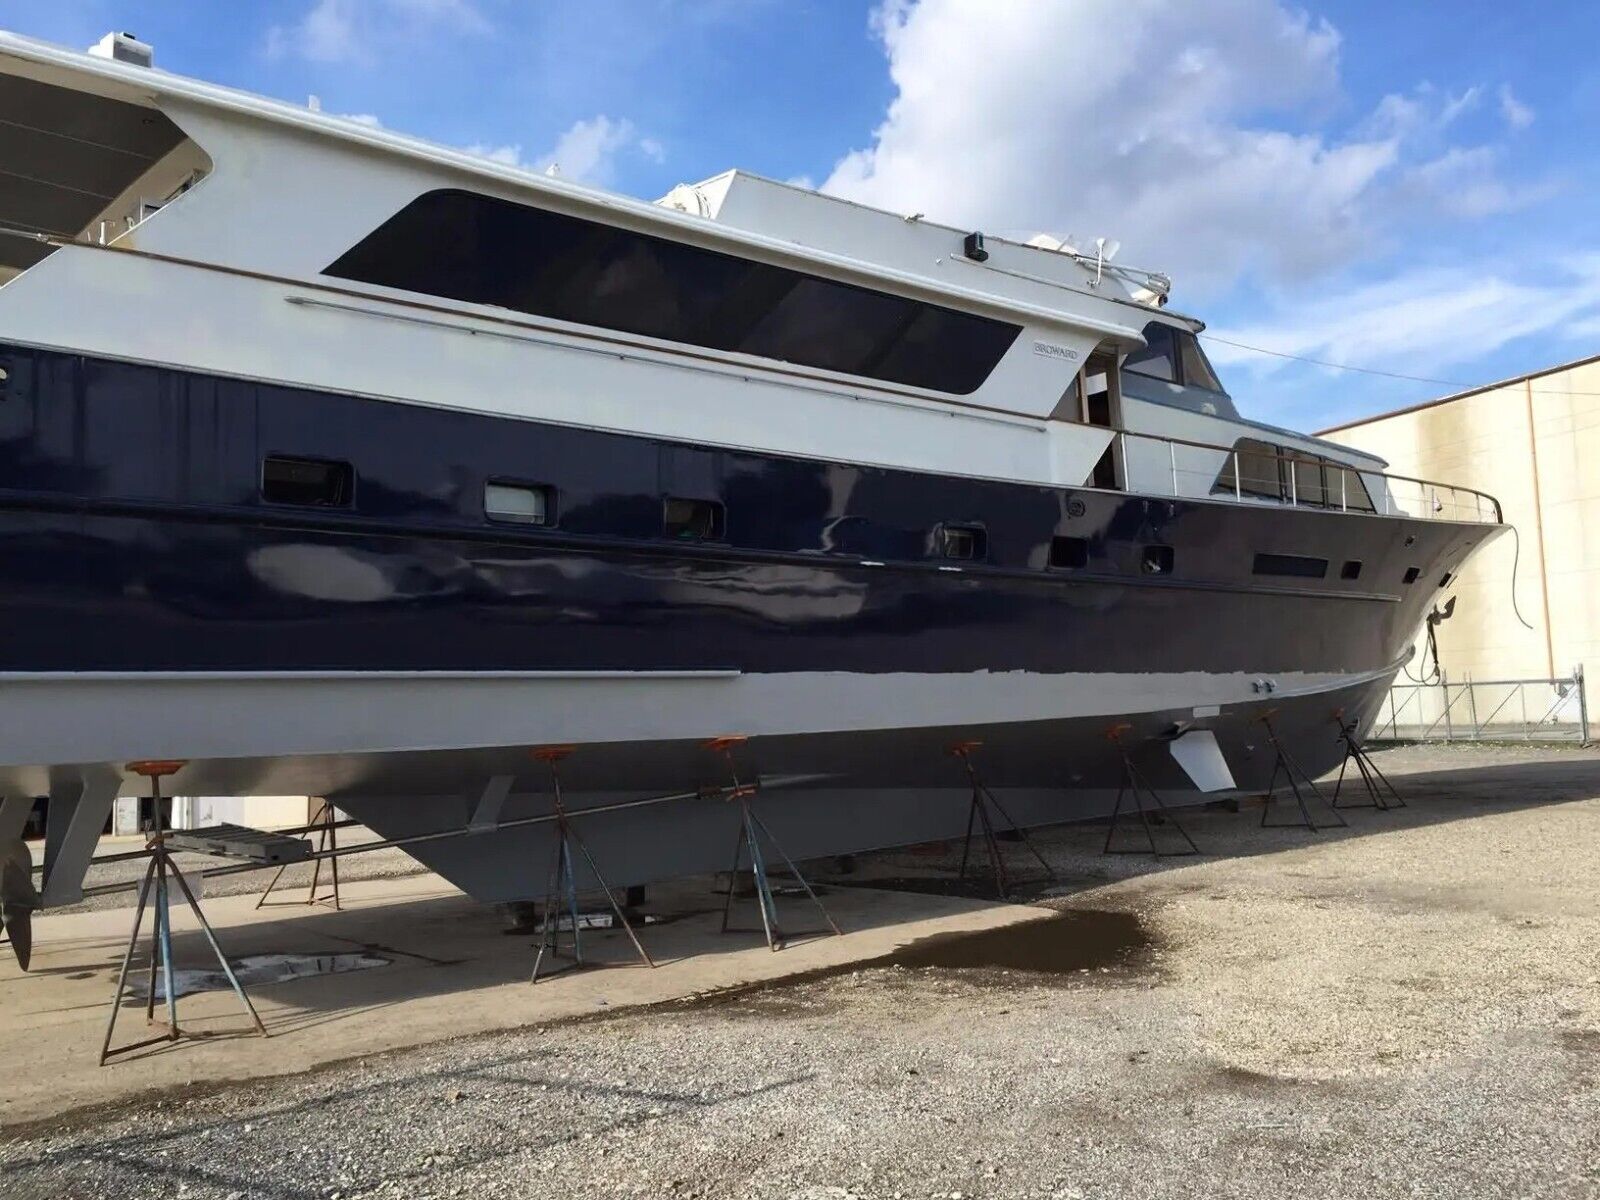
(1445, 582)
(1412, 573)
(1350, 570)
(691, 520)
(307, 482)
(1157, 560)
(965, 542)
(521, 503)
(1069, 553)
(1296, 565)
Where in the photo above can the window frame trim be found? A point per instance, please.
(719, 523)
(349, 467)
(922, 294)
(551, 500)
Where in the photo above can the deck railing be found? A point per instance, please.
(1152, 462)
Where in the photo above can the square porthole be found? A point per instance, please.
(1069, 553)
(966, 542)
(520, 503)
(691, 520)
(1351, 569)
(1411, 574)
(1157, 560)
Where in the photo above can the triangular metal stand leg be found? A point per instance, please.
(1135, 785)
(562, 891)
(1285, 762)
(1381, 794)
(158, 878)
(327, 846)
(752, 830)
(978, 815)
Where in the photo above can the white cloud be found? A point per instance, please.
(510, 154)
(1152, 121)
(1466, 182)
(1517, 114)
(354, 31)
(587, 152)
(1423, 322)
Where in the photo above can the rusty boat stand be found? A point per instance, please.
(752, 830)
(1285, 763)
(158, 878)
(1382, 795)
(326, 826)
(1135, 784)
(979, 815)
(562, 889)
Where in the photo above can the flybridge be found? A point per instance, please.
(913, 243)
(84, 166)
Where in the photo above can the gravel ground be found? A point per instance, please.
(1407, 1008)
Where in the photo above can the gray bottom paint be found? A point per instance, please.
(865, 756)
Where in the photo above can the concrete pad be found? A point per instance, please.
(453, 972)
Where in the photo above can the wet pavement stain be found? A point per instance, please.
(1062, 947)
(256, 970)
(1079, 939)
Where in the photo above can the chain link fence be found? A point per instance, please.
(1496, 710)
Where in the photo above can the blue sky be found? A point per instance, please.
(1407, 187)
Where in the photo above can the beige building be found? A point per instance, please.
(1534, 444)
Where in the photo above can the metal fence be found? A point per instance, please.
(1496, 710)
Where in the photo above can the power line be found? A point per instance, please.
(1451, 383)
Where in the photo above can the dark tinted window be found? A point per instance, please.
(962, 541)
(1197, 371)
(1347, 490)
(1251, 470)
(1157, 560)
(1159, 357)
(1069, 553)
(1351, 569)
(307, 481)
(691, 520)
(1308, 487)
(487, 251)
(1291, 564)
(1412, 573)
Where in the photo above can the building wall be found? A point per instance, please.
(1535, 445)
(195, 812)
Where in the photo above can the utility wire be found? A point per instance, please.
(1452, 383)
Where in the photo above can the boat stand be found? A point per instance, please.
(1285, 762)
(1136, 785)
(327, 830)
(979, 815)
(1374, 780)
(563, 886)
(751, 832)
(158, 877)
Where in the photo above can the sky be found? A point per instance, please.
(1401, 187)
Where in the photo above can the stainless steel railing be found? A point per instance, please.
(1203, 469)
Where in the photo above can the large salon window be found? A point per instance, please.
(1195, 367)
(483, 250)
(1271, 472)
(1251, 470)
(1158, 358)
